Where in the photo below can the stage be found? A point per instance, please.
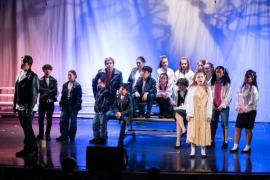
(144, 152)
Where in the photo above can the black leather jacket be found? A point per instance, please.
(150, 86)
(124, 106)
(75, 95)
(47, 94)
(116, 81)
(26, 91)
(102, 101)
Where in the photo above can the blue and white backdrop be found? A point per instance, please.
(79, 34)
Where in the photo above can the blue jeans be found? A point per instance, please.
(26, 119)
(100, 125)
(68, 122)
(111, 115)
(224, 113)
(149, 101)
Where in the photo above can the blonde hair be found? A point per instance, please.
(194, 83)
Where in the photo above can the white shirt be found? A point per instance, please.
(247, 98)
(70, 85)
(21, 75)
(47, 79)
(188, 75)
(136, 77)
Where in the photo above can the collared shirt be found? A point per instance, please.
(21, 75)
(136, 77)
(247, 98)
(47, 80)
(70, 85)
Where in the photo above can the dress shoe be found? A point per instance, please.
(120, 144)
(204, 156)
(101, 141)
(234, 150)
(61, 138)
(39, 137)
(147, 115)
(21, 153)
(246, 151)
(224, 145)
(192, 155)
(93, 141)
(48, 138)
(25, 153)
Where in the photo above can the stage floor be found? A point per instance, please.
(144, 152)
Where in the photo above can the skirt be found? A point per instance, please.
(246, 120)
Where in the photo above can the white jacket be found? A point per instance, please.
(190, 102)
(226, 95)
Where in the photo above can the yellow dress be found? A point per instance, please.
(199, 131)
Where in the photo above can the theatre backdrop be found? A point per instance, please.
(79, 34)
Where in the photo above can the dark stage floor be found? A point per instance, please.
(144, 152)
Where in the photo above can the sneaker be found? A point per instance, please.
(224, 145)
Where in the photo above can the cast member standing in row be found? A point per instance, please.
(25, 103)
(102, 105)
(48, 93)
(199, 109)
(246, 106)
(70, 104)
(209, 70)
(222, 95)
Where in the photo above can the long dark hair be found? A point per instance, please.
(161, 59)
(225, 78)
(253, 74)
(166, 75)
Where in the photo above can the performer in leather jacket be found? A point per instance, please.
(25, 104)
(48, 92)
(70, 104)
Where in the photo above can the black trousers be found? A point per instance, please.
(45, 108)
(26, 119)
(164, 106)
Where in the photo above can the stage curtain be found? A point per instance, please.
(79, 34)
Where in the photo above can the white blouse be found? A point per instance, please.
(247, 98)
